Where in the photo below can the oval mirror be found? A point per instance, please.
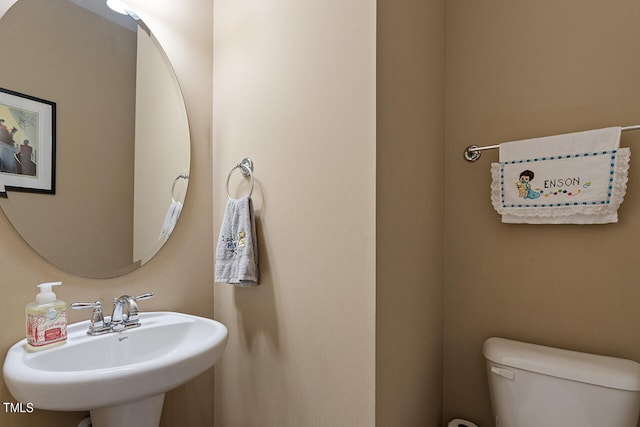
(94, 139)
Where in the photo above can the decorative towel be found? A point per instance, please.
(576, 178)
(170, 219)
(237, 249)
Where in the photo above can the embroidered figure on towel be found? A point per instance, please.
(233, 243)
(524, 185)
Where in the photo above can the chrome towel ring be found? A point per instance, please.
(173, 187)
(246, 168)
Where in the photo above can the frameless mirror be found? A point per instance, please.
(120, 150)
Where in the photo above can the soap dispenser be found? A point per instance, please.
(46, 319)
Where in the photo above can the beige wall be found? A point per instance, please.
(294, 88)
(410, 148)
(519, 69)
(181, 274)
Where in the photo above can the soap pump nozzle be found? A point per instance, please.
(46, 295)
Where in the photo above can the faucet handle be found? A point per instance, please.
(148, 295)
(97, 325)
(80, 305)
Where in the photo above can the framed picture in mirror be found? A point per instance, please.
(27, 143)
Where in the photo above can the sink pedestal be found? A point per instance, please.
(143, 413)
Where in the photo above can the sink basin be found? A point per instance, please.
(115, 369)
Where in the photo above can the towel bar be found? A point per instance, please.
(246, 168)
(473, 152)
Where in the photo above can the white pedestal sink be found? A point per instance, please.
(120, 376)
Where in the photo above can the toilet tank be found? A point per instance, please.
(534, 386)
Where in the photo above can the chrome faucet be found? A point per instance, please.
(120, 319)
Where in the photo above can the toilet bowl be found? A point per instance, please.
(532, 386)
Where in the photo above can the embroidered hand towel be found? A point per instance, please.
(237, 248)
(576, 178)
(170, 219)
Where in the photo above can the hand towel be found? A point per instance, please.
(237, 248)
(170, 219)
(576, 178)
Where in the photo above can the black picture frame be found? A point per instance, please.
(27, 143)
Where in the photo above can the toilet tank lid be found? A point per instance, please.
(587, 368)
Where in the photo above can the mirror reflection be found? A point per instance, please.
(121, 158)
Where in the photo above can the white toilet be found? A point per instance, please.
(536, 386)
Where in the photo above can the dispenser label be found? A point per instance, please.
(47, 328)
